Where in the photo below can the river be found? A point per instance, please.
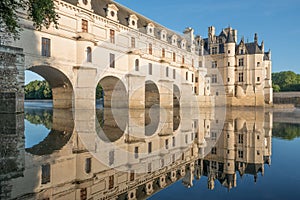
(183, 153)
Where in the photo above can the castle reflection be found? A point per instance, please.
(131, 154)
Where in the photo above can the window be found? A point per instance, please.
(111, 182)
(173, 141)
(150, 49)
(112, 60)
(196, 80)
(163, 53)
(214, 64)
(131, 176)
(241, 62)
(136, 152)
(150, 68)
(174, 57)
(173, 158)
(167, 144)
(195, 90)
(137, 64)
(186, 139)
(241, 139)
(214, 165)
(228, 64)
(174, 73)
(83, 194)
(228, 51)
(241, 154)
(132, 42)
(241, 77)
(200, 64)
(111, 157)
(46, 47)
(88, 165)
(149, 167)
(187, 76)
(228, 79)
(84, 26)
(46, 172)
(193, 78)
(149, 147)
(182, 59)
(258, 79)
(214, 50)
(214, 151)
(258, 64)
(214, 78)
(89, 54)
(213, 135)
(112, 36)
(242, 51)
(167, 71)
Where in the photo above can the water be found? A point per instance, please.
(154, 154)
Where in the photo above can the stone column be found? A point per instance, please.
(187, 95)
(136, 91)
(11, 80)
(85, 88)
(165, 88)
(62, 97)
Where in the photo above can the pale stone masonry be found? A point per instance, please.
(101, 41)
(240, 72)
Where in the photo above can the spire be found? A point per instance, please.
(230, 38)
(255, 38)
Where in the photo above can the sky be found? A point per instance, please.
(277, 22)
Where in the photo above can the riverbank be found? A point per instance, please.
(286, 99)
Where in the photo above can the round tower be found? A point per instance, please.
(229, 62)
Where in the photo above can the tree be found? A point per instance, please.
(41, 12)
(38, 90)
(286, 81)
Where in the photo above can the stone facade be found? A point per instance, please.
(240, 72)
(100, 41)
(11, 80)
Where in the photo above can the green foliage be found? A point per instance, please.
(39, 117)
(38, 90)
(41, 12)
(99, 92)
(286, 131)
(276, 88)
(286, 81)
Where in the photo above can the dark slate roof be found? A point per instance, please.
(99, 7)
(267, 56)
(253, 48)
(230, 38)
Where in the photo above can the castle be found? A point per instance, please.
(103, 42)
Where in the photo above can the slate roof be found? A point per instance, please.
(99, 7)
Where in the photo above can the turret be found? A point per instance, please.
(229, 76)
(211, 33)
(255, 38)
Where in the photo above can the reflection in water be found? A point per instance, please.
(96, 155)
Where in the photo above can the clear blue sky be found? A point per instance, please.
(277, 22)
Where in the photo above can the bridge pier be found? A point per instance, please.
(84, 92)
(62, 97)
(11, 79)
(136, 91)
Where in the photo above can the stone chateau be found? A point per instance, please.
(103, 42)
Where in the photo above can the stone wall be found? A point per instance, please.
(11, 80)
(287, 98)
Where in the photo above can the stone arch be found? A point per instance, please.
(62, 88)
(176, 107)
(114, 92)
(113, 119)
(152, 108)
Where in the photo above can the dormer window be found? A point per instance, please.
(183, 44)
(242, 51)
(132, 21)
(150, 29)
(174, 40)
(112, 12)
(163, 35)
